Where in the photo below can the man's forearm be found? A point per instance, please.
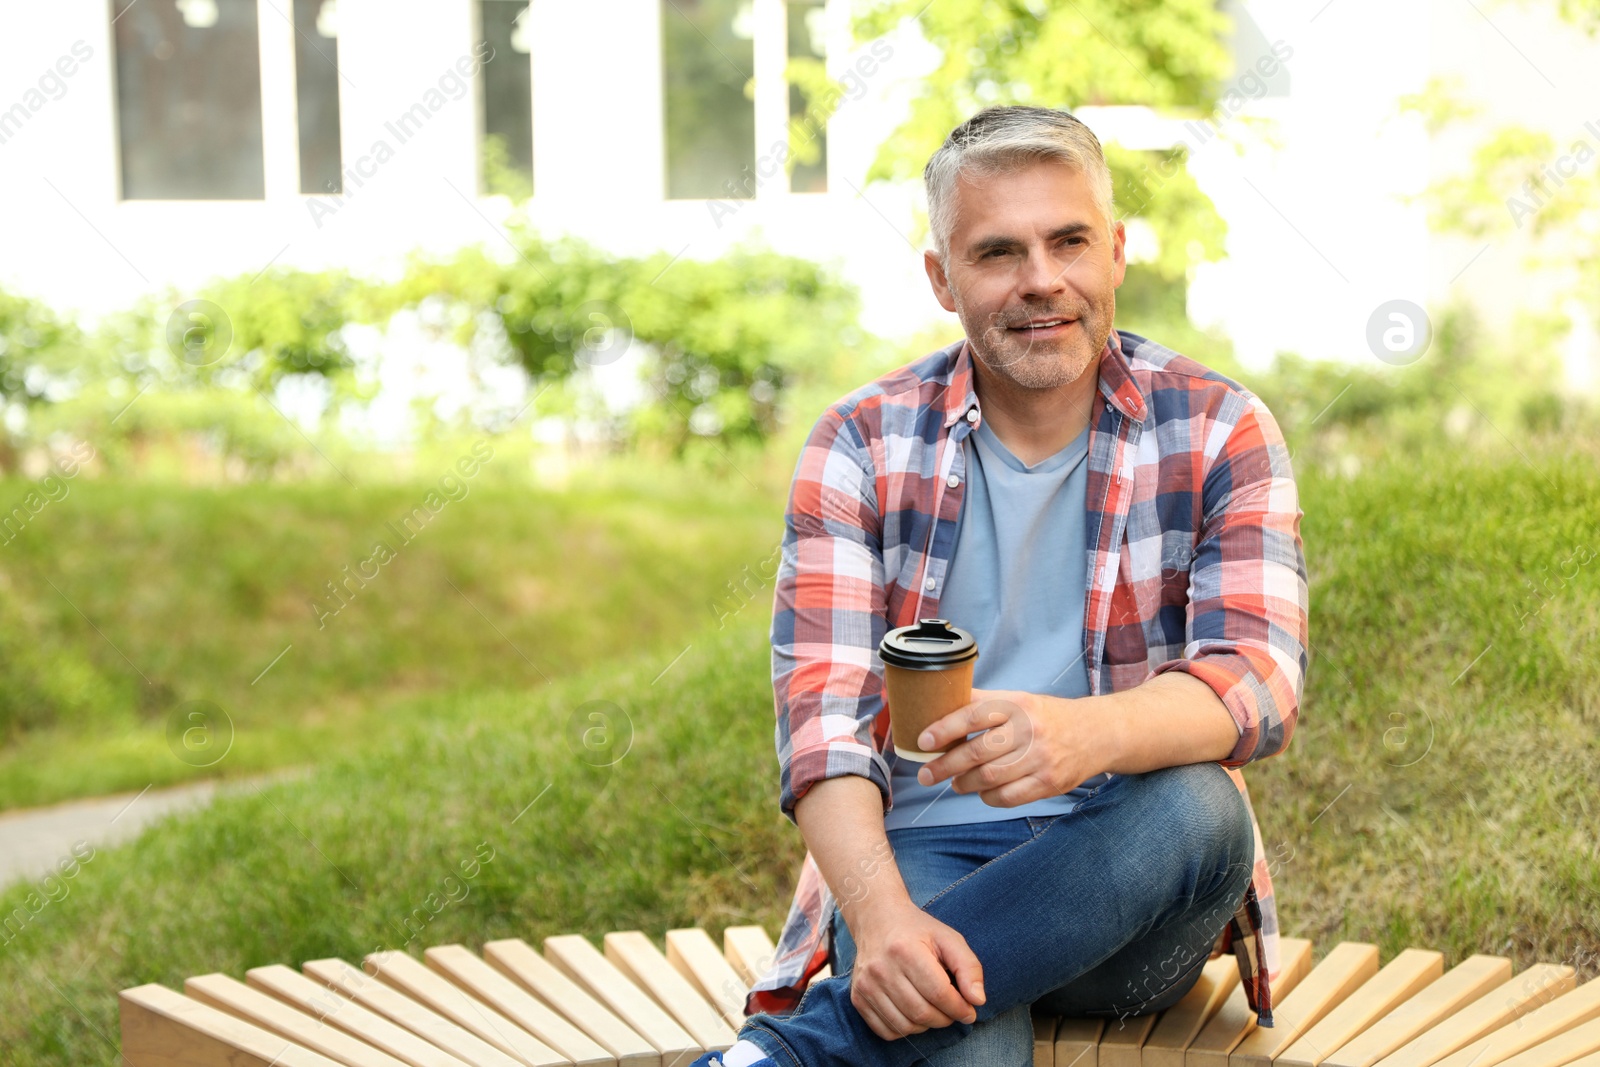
(841, 820)
(1169, 720)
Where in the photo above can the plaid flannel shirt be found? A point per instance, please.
(1195, 564)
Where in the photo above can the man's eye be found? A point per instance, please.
(994, 252)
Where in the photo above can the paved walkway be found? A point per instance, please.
(34, 840)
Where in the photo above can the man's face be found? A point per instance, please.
(1032, 273)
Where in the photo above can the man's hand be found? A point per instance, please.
(1031, 746)
(901, 981)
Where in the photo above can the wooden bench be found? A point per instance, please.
(633, 1002)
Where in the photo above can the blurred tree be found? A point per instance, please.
(502, 176)
(1526, 180)
(1069, 53)
(284, 322)
(720, 339)
(39, 362)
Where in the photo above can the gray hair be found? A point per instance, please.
(1001, 139)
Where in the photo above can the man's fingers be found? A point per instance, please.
(869, 1015)
(959, 760)
(1019, 791)
(999, 760)
(981, 714)
(996, 744)
(933, 987)
(960, 960)
(897, 1005)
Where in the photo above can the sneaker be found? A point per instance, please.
(714, 1059)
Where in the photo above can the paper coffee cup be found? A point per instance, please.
(927, 673)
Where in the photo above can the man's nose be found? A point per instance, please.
(1042, 274)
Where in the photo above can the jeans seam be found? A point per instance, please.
(756, 1025)
(980, 867)
(1009, 851)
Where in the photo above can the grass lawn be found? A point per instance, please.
(1440, 791)
(122, 604)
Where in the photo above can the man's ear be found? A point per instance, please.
(1119, 241)
(941, 283)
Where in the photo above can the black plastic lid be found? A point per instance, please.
(931, 645)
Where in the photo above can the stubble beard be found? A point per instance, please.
(1036, 364)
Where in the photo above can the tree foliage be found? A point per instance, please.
(36, 349)
(1070, 53)
(721, 339)
(1525, 180)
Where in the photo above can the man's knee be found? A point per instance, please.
(1205, 813)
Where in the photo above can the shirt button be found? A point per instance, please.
(1108, 405)
(952, 481)
(930, 584)
(972, 414)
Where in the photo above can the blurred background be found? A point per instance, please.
(398, 403)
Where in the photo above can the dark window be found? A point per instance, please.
(807, 63)
(506, 99)
(316, 85)
(707, 57)
(188, 99)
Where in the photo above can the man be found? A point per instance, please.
(1118, 526)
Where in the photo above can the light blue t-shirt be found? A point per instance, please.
(1016, 583)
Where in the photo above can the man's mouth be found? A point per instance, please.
(1042, 328)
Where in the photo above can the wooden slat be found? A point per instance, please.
(637, 957)
(1401, 979)
(268, 1012)
(1078, 1042)
(1505, 1004)
(399, 1008)
(1581, 1043)
(1466, 982)
(517, 959)
(1121, 1043)
(517, 1004)
(161, 1028)
(334, 1009)
(1235, 1019)
(437, 993)
(1342, 971)
(583, 963)
(749, 951)
(1044, 1040)
(1180, 1024)
(1592, 1060)
(1538, 1026)
(695, 956)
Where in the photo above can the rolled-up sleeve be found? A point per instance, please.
(1248, 611)
(829, 608)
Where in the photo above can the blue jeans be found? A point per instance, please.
(1108, 910)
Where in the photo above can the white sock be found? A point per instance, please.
(743, 1054)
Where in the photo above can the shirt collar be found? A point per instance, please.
(1117, 383)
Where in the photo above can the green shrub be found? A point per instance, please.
(723, 338)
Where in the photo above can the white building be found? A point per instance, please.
(163, 142)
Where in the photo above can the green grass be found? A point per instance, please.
(1453, 713)
(121, 603)
(681, 829)
(1466, 824)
